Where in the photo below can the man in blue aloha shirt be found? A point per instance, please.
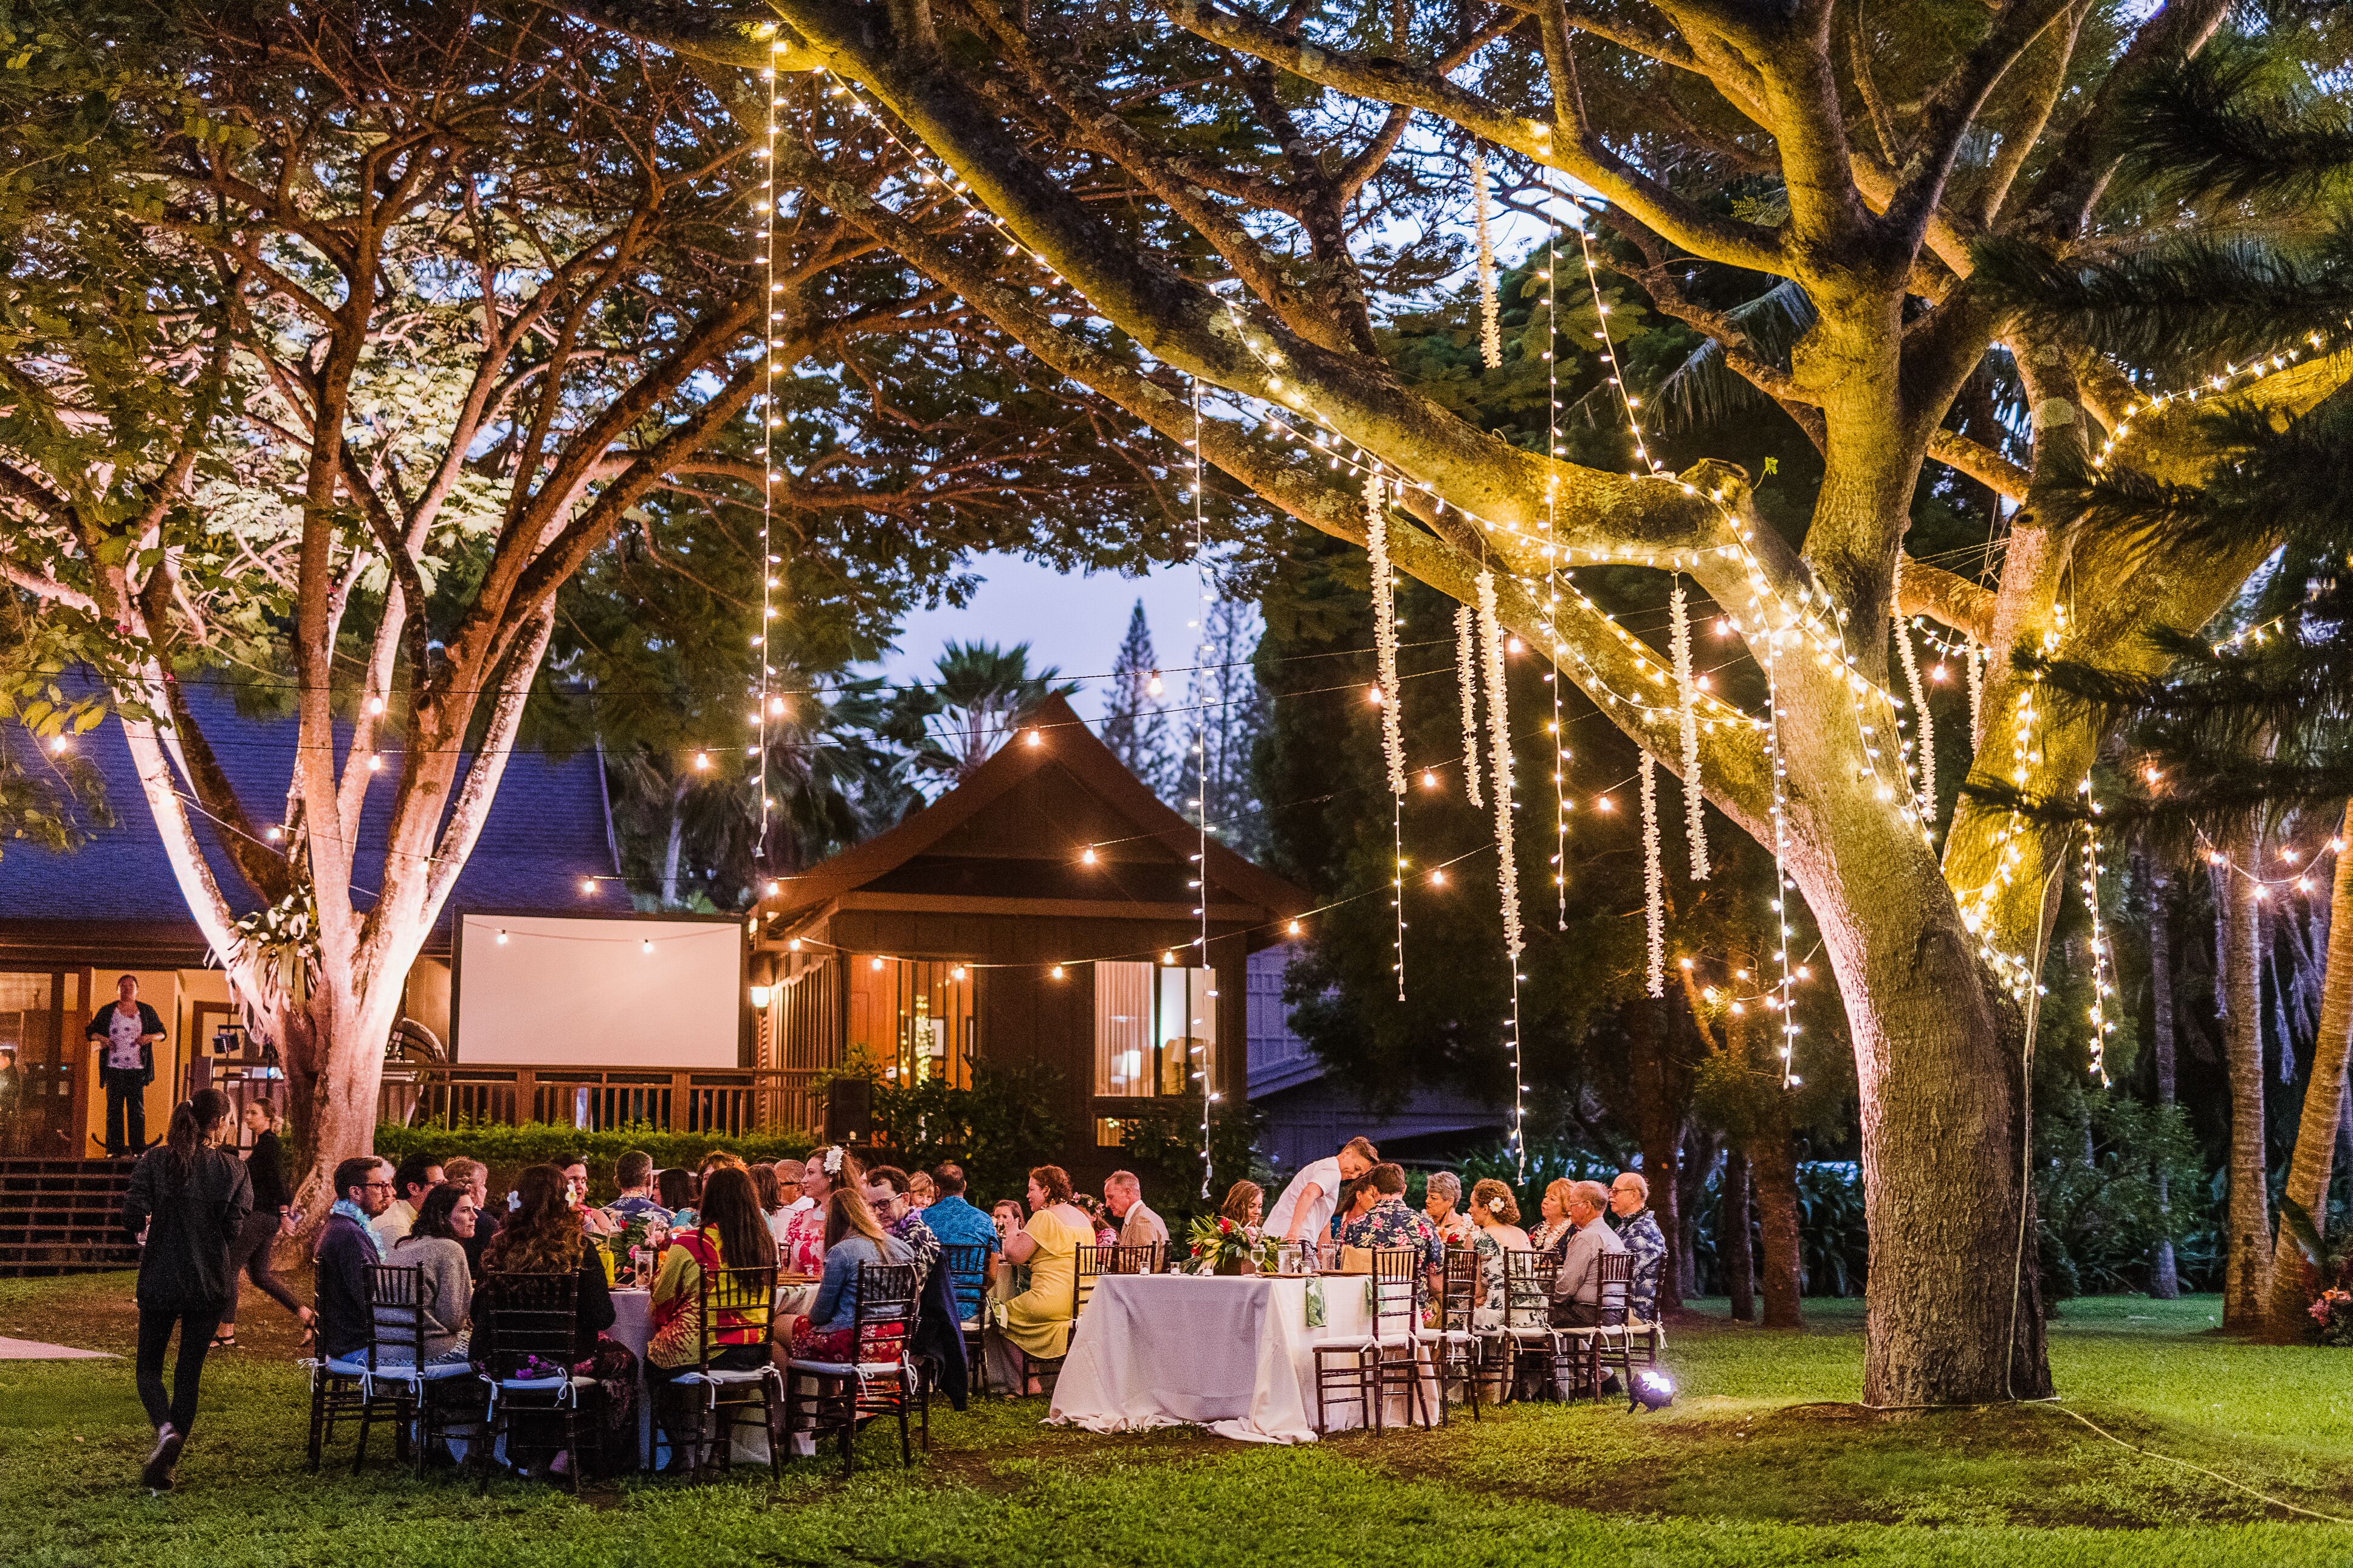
(1631, 1217)
(1389, 1223)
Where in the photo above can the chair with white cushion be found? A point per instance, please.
(877, 1378)
(400, 1384)
(532, 1321)
(1361, 1369)
(1451, 1342)
(737, 1303)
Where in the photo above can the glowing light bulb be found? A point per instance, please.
(1087, 856)
(502, 939)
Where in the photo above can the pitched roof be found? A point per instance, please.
(1052, 737)
(547, 829)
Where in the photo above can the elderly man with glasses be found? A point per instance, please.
(1629, 1214)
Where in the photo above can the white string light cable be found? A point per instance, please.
(1466, 676)
(1553, 449)
(2103, 963)
(1387, 694)
(766, 703)
(1654, 879)
(1491, 322)
(1206, 1065)
(1781, 1000)
(1686, 692)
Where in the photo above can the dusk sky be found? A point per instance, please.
(1074, 622)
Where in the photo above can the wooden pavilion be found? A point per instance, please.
(1046, 909)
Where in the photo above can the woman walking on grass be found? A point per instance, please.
(249, 1254)
(187, 1202)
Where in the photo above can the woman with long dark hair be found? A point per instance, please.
(730, 1233)
(187, 1202)
(544, 1236)
(853, 1236)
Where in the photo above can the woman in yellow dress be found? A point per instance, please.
(1036, 1324)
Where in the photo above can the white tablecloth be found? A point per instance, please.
(633, 1325)
(1231, 1353)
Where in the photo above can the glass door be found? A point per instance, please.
(37, 1070)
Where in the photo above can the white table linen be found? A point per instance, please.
(1233, 1354)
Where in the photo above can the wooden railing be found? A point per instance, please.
(728, 1101)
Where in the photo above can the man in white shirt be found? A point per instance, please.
(1139, 1226)
(417, 1176)
(1303, 1212)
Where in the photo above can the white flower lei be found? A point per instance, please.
(1490, 326)
(1466, 671)
(1499, 748)
(1654, 893)
(1384, 646)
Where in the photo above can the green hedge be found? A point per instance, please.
(506, 1150)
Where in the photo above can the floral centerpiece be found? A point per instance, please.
(1221, 1246)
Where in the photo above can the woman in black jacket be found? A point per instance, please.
(249, 1254)
(188, 1200)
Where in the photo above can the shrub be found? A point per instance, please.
(997, 1130)
(506, 1148)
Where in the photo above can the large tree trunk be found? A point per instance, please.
(335, 1070)
(2163, 1283)
(1773, 1161)
(2246, 1284)
(1735, 1256)
(2292, 1288)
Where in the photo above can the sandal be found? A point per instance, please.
(224, 1342)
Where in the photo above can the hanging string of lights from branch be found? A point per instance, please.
(1204, 1066)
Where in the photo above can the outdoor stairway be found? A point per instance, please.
(63, 1217)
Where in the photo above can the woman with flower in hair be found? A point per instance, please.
(828, 1169)
(1497, 1214)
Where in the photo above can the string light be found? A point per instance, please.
(1782, 999)
(1201, 752)
(1507, 868)
(1466, 676)
(771, 343)
(1553, 643)
(1926, 736)
(2103, 967)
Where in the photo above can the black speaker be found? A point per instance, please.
(849, 1109)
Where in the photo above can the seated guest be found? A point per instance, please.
(770, 1195)
(1497, 1216)
(1551, 1234)
(475, 1177)
(1356, 1199)
(1006, 1215)
(592, 1220)
(674, 1190)
(788, 1178)
(732, 1232)
(1245, 1205)
(1139, 1226)
(956, 1223)
(1577, 1295)
(416, 1177)
(1442, 1201)
(635, 1173)
(1388, 1222)
(1105, 1235)
(886, 1195)
(1630, 1218)
(347, 1248)
(435, 1244)
(1036, 1322)
(853, 1237)
(828, 1168)
(920, 1190)
(545, 1234)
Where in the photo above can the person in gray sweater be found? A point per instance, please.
(436, 1244)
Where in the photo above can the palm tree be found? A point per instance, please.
(952, 725)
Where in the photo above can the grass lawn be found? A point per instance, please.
(1764, 1460)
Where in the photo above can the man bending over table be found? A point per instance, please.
(1304, 1210)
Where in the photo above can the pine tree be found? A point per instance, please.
(1227, 709)
(1136, 724)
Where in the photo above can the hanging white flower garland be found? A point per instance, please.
(1654, 883)
(1976, 672)
(1466, 674)
(1490, 318)
(1687, 694)
(1499, 751)
(1385, 645)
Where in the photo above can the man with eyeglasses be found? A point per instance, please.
(347, 1247)
(1631, 1217)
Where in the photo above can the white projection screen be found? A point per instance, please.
(572, 991)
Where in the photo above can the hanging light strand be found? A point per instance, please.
(765, 703)
(1205, 1072)
(1925, 731)
(2104, 988)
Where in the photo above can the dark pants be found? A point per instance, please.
(250, 1253)
(126, 1102)
(155, 1324)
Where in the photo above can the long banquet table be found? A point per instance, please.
(1231, 1353)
